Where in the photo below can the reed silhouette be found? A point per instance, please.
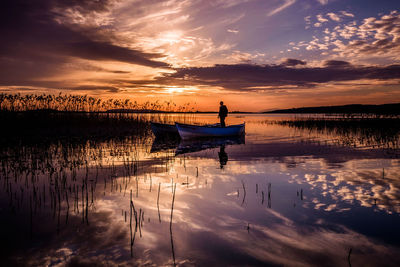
(371, 132)
(84, 103)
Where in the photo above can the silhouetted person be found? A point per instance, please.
(223, 157)
(223, 113)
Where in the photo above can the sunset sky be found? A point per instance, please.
(254, 54)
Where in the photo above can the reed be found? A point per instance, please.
(269, 195)
(170, 225)
(383, 132)
(348, 256)
(262, 198)
(158, 202)
(58, 179)
(244, 193)
(84, 103)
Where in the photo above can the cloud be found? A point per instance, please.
(111, 89)
(372, 38)
(250, 77)
(186, 32)
(336, 63)
(96, 50)
(377, 37)
(323, 2)
(347, 14)
(228, 3)
(337, 17)
(233, 31)
(308, 21)
(293, 62)
(333, 16)
(286, 4)
(321, 18)
(39, 38)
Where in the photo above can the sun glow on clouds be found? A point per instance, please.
(180, 90)
(134, 47)
(170, 38)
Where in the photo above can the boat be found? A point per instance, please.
(188, 131)
(162, 129)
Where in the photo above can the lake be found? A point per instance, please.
(285, 194)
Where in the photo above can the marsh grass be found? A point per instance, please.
(365, 132)
(77, 116)
(84, 103)
(70, 124)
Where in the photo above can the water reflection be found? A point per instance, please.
(283, 197)
(164, 143)
(223, 156)
(196, 145)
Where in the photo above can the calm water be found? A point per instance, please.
(280, 196)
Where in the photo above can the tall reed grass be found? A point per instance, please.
(83, 103)
(366, 132)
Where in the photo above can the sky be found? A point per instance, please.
(255, 55)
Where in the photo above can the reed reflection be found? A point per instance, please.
(136, 200)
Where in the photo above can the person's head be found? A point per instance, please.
(221, 103)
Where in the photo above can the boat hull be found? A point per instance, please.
(187, 131)
(160, 129)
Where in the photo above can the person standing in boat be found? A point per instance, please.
(223, 113)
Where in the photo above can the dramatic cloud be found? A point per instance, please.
(257, 77)
(106, 51)
(252, 77)
(141, 48)
(36, 41)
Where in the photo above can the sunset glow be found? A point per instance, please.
(255, 55)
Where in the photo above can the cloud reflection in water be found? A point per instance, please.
(322, 203)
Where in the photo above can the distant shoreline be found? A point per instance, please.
(127, 111)
(391, 109)
(387, 109)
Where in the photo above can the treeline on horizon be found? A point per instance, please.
(83, 103)
(384, 109)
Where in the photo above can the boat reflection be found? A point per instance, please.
(164, 143)
(196, 145)
(181, 147)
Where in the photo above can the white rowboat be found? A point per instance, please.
(187, 131)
